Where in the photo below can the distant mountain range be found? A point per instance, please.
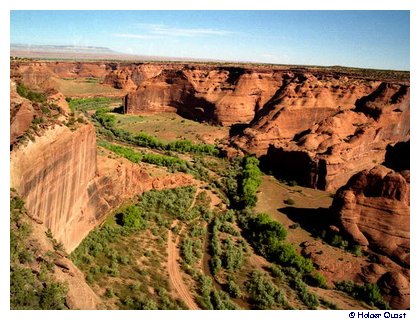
(71, 52)
(63, 48)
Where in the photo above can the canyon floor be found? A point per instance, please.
(161, 251)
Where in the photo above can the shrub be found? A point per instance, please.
(34, 96)
(339, 242)
(316, 279)
(187, 251)
(125, 152)
(369, 293)
(286, 255)
(211, 298)
(108, 121)
(263, 292)
(265, 233)
(277, 272)
(289, 201)
(175, 202)
(215, 265)
(53, 296)
(328, 304)
(132, 218)
(232, 257)
(198, 231)
(29, 290)
(233, 289)
(309, 299)
(84, 104)
(251, 180)
(356, 250)
(267, 237)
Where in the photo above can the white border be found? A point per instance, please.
(191, 5)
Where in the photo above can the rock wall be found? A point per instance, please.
(342, 144)
(342, 121)
(285, 100)
(52, 175)
(374, 209)
(22, 113)
(70, 189)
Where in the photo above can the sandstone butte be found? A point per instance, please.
(325, 129)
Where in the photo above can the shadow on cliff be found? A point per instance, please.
(313, 220)
(196, 109)
(297, 166)
(237, 129)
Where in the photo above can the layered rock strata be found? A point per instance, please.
(316, 126)
(328, 153)
(373, 208)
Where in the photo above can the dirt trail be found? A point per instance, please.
(175, 273)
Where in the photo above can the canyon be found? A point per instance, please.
(345, 131)
(66, 185)
(330, 125)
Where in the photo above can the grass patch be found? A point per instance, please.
(108, 122)
(85, 104)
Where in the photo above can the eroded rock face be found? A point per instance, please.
(69, 189)
(128, 77)
(41, 74)
(280, 102)
(396, 289)
(21, 114)
(52, 175)
(341, 144)
(221, 95)
(340, 124)
(374, 209)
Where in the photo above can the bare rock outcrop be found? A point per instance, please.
(70, 189)
(52, 175)
(321, 127)
(42, 74)
(333, 124)
(21, 114)
(373, 208)
(280, 102)
(128, 77)
(395, 289)
(80, 295)
(327, 154)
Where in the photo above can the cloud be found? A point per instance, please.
(155, 31)
(133, 36)
(187, 32)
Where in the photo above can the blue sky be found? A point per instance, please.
(374, 39)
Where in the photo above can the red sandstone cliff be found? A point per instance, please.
(52, 175)
(69, 189)
(374, 209)
(328, 153)
(288, 100)
(322, 127)
(66, 186)
(316, 126)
